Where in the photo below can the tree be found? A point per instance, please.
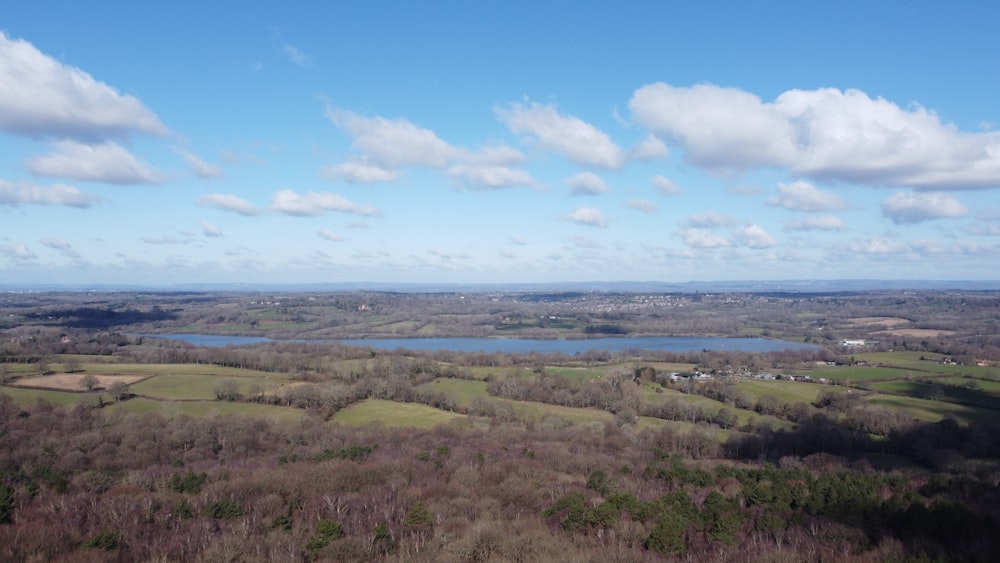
(227, 390)
(119, 390)
(89, 382)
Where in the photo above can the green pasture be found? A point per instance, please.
(712, 406)
(984, 385)
(195, 387)
(932, 411)
(462, 391)
(24, 397)
(935, 391)
(200, 409)
(391, 413)
(787, 391)
(857, 374)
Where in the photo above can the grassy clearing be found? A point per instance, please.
(787, 391)
(26, 397)
(195, 387)
(861, 373)
(391, 413)
(933, 411)
(971, 383)
(934, 391)
(201, 409)
(576, 373)
(461, 391)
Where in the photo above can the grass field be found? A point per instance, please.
(462, 391)
(207, 409)
(391, 413)
(949, 393)
(26, 397)
(194, 387)
(933, 411)
(788, 391)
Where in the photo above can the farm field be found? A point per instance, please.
(391, 413)
(788, 391)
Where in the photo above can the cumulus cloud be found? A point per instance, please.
(105, 162)
(32, 194)
(586, 183)
(360, 172)
(803, 196)
(489, 177)
(229, 202)
(577, 140)
(651, 148)
(664, 185)
(643, 205)
(588, 216)
(55, 100)
(701, 238)
(202, 169)
(394, 143)
(329, 235)
(209, 230)
(314, 204)
(913, 207)
(818, 223)
(753, 236)
(821, 134)
(17, 252)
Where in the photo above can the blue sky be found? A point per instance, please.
(191, 142)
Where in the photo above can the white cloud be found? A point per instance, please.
(294, 54)
(518, 241)
(329, 235)
(55, 100)
(314, 204)
(664, 185)
(106, 162)
(710, 220)
(202, 169)
(588, 216)
(61, 246)
(821, 134)
(914, 207)
(210, 230)
(803, 196)
(33, 194)
(818, 223)
(360, 172)
(394, 143)
(586, 183)
(701, 238)
(754, 236)
(229, 202)
(651, 148)
(165, 239)
(489, 177)
(569, 136)
(643, 205)
(876, 245)
(718, 128)
(448, 256)
(18, 252)
(493, 155)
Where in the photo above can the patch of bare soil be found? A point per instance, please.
(72, 381)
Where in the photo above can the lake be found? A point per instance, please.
(524, 345)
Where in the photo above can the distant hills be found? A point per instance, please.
(748, 286)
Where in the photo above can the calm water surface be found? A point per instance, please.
(524, 345)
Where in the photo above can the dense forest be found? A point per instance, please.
(119, 447)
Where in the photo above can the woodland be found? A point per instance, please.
(881, 443)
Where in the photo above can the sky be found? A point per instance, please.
(498, 141)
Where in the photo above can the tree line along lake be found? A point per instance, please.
(522, 345)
